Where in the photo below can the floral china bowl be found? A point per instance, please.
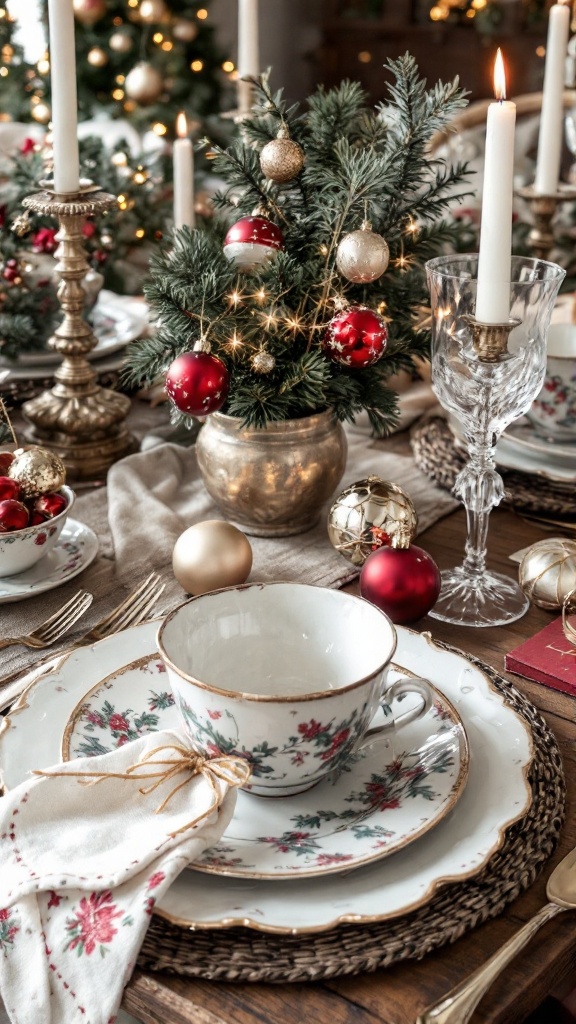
(553, 413)
(21, 549)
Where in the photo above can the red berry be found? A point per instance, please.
(6, 460)
(9, 488)
(50, 505)
(13, 515)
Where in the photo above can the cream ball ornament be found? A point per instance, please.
(211, 555)
(362, 256)
(547, 572)
(144, 83)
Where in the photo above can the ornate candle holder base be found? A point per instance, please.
(543, 208)
(81, 421)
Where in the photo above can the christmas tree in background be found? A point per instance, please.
(144, 60)
(15, 73)
(305, 308)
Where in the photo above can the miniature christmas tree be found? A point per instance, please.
(145, 60)
(297, 313)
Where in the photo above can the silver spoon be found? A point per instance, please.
(459, 1005)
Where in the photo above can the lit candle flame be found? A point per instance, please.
(181, 125)
(499, 77)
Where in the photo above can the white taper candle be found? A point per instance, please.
(183, 162)
(248, 49)
(64, 102)
(552, 115)
(494, 262)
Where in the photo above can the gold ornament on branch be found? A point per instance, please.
(120, 42)
(369, 514)
(88, 12)
(211, 555)
(41, 112)
(144, 84)
(547, 572)
(151, 12)
(263, 362)
(362, 256)
(97, 57)
(183, 30)
(282, 159)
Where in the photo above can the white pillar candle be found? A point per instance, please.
(493, 295)
(183, 163)
(552, 114)
(64, 103)
(248, 50)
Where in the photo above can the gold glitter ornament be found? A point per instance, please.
(37, 470)
(211, 555)
(547, 572)
(263, 362)
(282, 158)
(144, 84)
(362, 256)
(88, 12)
(369, 514)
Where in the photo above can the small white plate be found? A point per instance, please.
(496, 795)
(525, 438)
(402, 786)
(114, 326)
(511, 456)
(76, 548)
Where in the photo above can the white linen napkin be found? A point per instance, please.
(83, 865)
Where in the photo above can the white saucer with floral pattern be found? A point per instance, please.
(75, 549)
(496, 795)
(398, 788)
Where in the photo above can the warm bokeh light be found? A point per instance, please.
(364, 56)
(197, 65)
(228, 66)
(499, 76)
(159, 128)
(202, 14)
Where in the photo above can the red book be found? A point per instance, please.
(548, 658)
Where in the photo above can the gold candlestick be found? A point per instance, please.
(543, 208)
(490, 341)
(79, 420)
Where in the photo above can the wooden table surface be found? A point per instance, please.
(398, 994)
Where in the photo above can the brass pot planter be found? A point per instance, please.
(272, 481)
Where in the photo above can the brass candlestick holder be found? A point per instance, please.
(79, 420)
(543, 208)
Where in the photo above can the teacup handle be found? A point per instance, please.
(401, 688)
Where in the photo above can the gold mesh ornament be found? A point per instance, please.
(547, 572)
(368, 514)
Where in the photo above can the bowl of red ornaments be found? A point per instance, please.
(34, 505)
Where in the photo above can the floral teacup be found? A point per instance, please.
(286, 675)
(553, 413)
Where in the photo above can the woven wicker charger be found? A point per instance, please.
(437, 455)
(241, 954)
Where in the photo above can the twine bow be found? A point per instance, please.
(234, 771)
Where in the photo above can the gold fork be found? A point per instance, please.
(134, 609)
(52, 629)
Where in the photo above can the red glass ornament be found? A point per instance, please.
(197, 383)
(10, 271)
(9, 488)
(36, 518)
(6, 460)
(403, 582)
(50, 505)
(13, 515)
(252, 241)
(356, 338)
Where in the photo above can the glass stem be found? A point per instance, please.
(480, 488)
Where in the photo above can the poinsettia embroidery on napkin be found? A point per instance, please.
(83, 866)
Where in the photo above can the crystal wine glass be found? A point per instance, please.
(486, 376)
